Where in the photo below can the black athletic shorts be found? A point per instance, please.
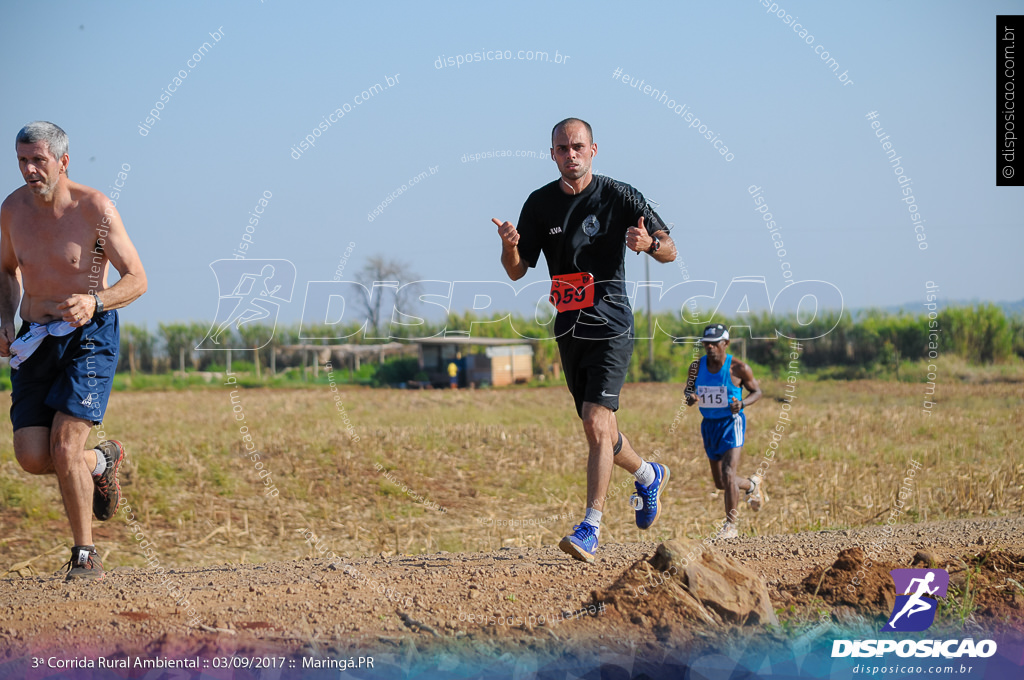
(595, 370)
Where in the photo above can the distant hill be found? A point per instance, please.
(1015, 308)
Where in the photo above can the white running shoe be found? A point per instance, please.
(727, 531)
(756, 496)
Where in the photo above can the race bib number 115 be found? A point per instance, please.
(712, 396)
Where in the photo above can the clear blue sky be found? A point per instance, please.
(225, 135)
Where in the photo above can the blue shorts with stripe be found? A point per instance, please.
(72, 374)
(722, 434)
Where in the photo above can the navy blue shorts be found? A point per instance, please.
(72, 374)
(722, 434)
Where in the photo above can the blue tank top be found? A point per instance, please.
(715, 391)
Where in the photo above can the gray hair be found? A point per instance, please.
(45, 131)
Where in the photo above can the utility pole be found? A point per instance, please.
(650, 327)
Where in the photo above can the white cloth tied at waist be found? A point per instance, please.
(23, 347)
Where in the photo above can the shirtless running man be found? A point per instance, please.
(57, 240)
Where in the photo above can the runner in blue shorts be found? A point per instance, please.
(717, 381)
(58, 239)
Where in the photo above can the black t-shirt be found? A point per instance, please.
(587, 233)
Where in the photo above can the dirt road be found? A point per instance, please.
(471, 602)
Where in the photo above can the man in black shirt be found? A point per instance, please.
(583, 225)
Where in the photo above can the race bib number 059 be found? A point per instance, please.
(572, 291)
(712, 396)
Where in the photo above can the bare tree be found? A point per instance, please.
(378, 269)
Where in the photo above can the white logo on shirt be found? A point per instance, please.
(591, 225)
(555, 230)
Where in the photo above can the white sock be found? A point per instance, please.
(593, 518)
(101, 463)
(645, 475)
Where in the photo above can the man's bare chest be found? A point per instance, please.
(54, 246)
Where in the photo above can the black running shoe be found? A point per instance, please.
(107, 493)
(84, 564)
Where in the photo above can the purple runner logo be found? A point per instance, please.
(250, 292)
(915, 609)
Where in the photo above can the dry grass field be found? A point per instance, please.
(486, 469)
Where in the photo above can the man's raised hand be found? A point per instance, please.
(508, 233)
(637, 238)
(691, 382)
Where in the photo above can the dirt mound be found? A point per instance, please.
(993, 582)
(989, 585)
(852, 581)
(692, 582)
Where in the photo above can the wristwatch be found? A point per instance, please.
(655, 246)
(99, 304)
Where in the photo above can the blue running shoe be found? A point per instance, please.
(647, 499)
(581, 544)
